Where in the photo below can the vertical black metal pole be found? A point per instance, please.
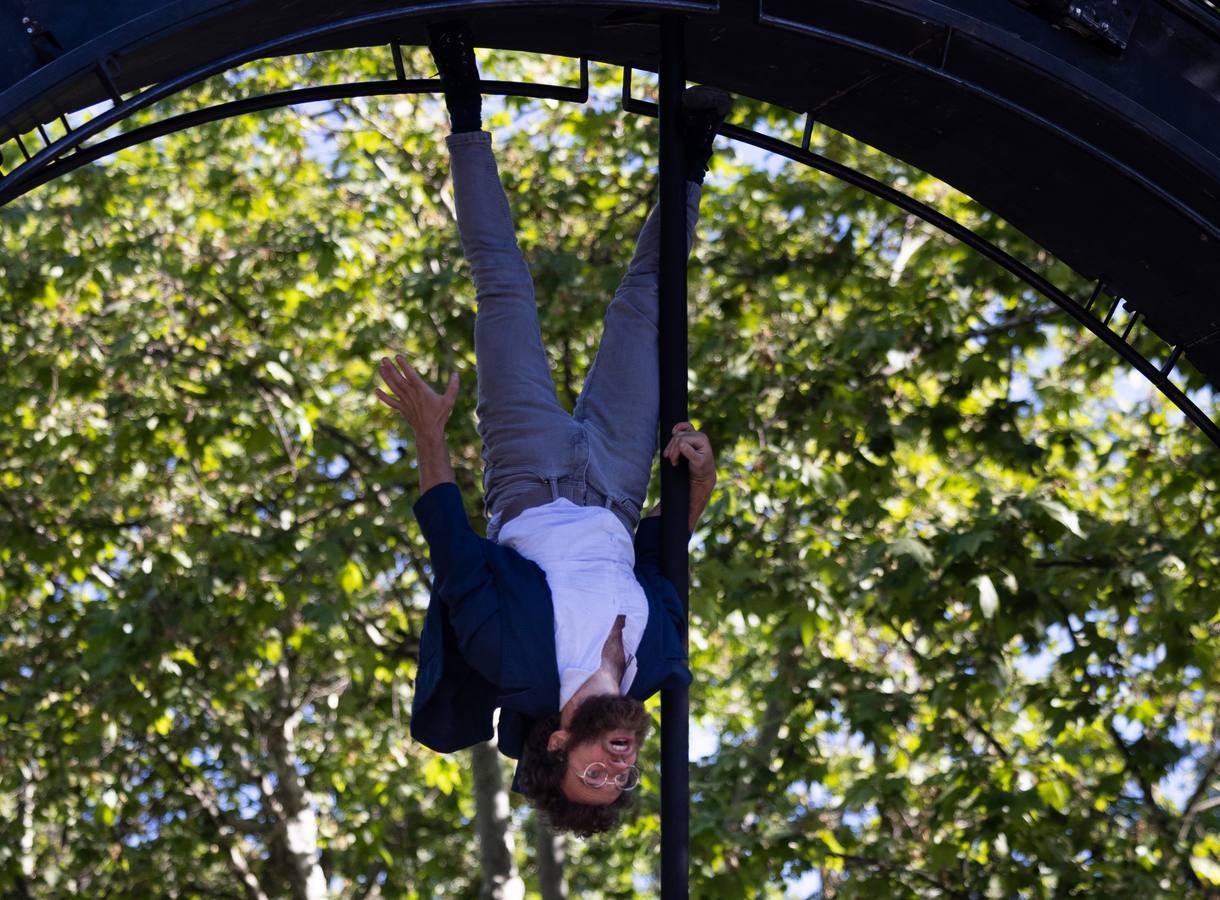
(675, 486)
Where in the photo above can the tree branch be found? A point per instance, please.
(1197, 803)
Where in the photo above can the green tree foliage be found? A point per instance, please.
(955, 608)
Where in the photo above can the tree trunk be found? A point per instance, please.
(299, 827)
(550, 850)
(25, 814)
(496, 851)
(768, 733)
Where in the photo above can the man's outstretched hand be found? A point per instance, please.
(426, 412)
(410, 396)
(694, 445)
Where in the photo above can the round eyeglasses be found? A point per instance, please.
(597, 775)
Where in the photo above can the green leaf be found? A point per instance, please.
(988, 599)
(279, 373)
(272, 650)
(968, 543)
(914, 548)
(186, 655)
(827, 837)
(1063, 516)
(351, 578)
(164, 723)
(808, 630)
(1054, 793)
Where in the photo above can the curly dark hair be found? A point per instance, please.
(542, 771)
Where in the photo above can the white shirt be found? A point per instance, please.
(589, 561)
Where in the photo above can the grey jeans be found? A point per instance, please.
(533, 450)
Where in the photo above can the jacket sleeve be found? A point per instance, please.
(462, 580)
(648, 544)
(648, 567)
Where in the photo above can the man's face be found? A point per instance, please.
(602, 759)
(605, 733)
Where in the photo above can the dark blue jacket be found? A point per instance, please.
(489, 634)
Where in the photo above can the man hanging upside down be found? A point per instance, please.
(557, 618)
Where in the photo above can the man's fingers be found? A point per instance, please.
(697, 449)
(671, 450)
(688, 439)
(388, 400)
(408, 370)
(404, 381)
(679, 450)
(691, 451)
(451, 390)
(398, 374)
(395, 403)
(391, 375)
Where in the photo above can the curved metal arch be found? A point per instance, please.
(1157, 375)
(19, 180)
(51, 161)
(966, 84)
(379, 88)
(15, 183)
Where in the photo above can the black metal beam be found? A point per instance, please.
(17, 182)
(1183, 204)
(58, 161)
(84, 154)
(675, 487)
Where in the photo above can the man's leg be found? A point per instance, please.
(516, 394)
(523, 427)
(620, 403)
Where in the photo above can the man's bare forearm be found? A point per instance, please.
(700, 496)
(432, 457)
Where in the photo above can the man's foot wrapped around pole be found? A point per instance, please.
(453, 51)
(703, 110)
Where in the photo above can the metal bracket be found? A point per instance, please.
(1108, 22)
(46, 45)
